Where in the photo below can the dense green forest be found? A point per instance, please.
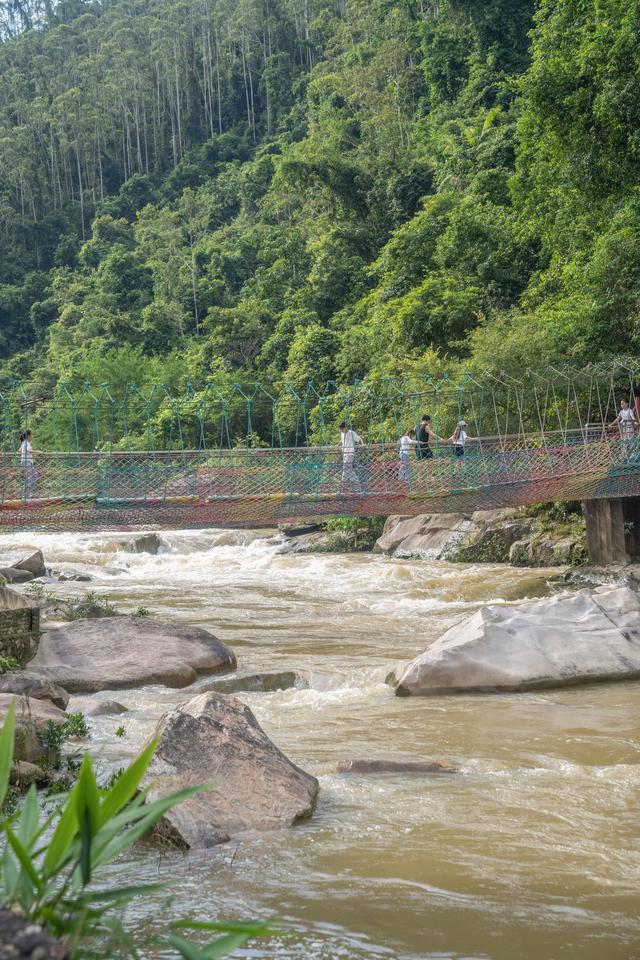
(316, 189)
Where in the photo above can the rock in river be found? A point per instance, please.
(390, 766)
(562, 640)
(29, 684)
(147, 543)
(255, 683)
(103, 708)
(33, 564)
(118, 652)
(216, 739)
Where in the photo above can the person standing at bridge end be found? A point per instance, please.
(27, 464)
(349, 439)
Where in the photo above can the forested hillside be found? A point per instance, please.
(316, 189)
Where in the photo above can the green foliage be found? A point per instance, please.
(121, 731)
(382, 189)
(353, 533)
(7, 664)
(50, 860)
(90, 605)
(141, 612)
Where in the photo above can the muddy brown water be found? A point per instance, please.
(530, 851)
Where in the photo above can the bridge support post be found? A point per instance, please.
(613, 529)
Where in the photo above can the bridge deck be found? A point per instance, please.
(262, 487)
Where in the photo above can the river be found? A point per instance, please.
(529, 851)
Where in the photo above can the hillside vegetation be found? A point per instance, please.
(316, 189)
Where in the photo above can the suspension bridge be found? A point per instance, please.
(238, 454)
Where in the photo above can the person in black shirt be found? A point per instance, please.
(425, 433)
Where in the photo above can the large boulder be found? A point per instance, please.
(119, 652)
(29, 684)
(32, 716)
(216, 739)
(562, 640)
(427, 536)
(33, 564)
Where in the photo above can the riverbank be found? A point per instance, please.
(545, 535)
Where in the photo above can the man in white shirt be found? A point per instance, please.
(348, 440)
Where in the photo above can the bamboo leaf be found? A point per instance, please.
(147, 817)
(63, 836)
(29, 818)
(126, 784)
(6, 750)
(24, 859)
(256, 929)
(186, 950)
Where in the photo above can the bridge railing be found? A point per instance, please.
(151, 477)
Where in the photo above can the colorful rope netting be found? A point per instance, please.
(238, 455)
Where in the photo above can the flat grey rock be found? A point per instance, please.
(119, 652)
(570, 638)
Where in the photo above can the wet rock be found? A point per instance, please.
(147, 543)
(548, 551)
(13, 575)
(427, 536)
(255, 683)
(32, 717)
(216, 739)
(316, 542)
(114, 571)
(562, 640)
(33, 564)
(120, 652)
(70, 577)
(23, 774)
(104, 708)
(29, 684)
(298, 529)
(391, 766)
(20, 938)
(492, 538)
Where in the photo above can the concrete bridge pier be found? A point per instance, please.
(613, 530)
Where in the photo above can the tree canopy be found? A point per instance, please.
(316, 189)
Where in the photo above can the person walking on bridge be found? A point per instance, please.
(626, 420)
(407, 441)
(349, 439)
(426, 433)
(459, 438)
